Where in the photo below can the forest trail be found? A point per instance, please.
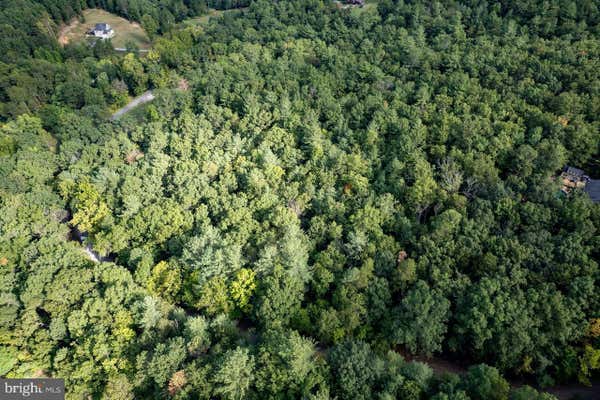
(144, 98)
(579, 392)
(562, 392)
(91, 254)
(124, 49)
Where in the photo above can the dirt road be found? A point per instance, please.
(562, 392)
(124, 49)
(144, 98)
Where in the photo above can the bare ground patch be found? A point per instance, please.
(65, 31)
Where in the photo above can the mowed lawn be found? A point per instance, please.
(125, 31)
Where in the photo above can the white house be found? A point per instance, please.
(103, 31)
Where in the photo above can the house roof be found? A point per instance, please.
(593, 190)
(574, 172)
(102, 27)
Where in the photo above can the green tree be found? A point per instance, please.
(89, 207)
(242, 288)
(150, 25)
(529, 393)
(165, 281)
(133, 73)
(353, 369)
(235, 374)
(421, 320)
(484, 382)
(287, 363)
(279, 299)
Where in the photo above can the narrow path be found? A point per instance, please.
(579, 392)
(144, 98)
(91, 254)
(562, 392)
(124, 49)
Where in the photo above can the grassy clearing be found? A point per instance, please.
(369, 5)
(212, 13)
(356, 9)
(125, 31)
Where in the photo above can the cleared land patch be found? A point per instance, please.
(125, 31)
(203, 19)
(369, 4)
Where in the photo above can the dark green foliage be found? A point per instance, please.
(234, 376)
(313, 191)
(483, 382)
(288, 366)
(421, 319)
(529, 393)
(353, 369)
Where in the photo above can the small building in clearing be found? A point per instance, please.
(103, 31)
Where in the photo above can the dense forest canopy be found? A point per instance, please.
(315, 191)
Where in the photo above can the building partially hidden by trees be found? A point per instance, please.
(575, 178)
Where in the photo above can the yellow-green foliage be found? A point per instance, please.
(589, 361)
(165, 281)
(89, 207)
(214, 298)
(243, 287)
